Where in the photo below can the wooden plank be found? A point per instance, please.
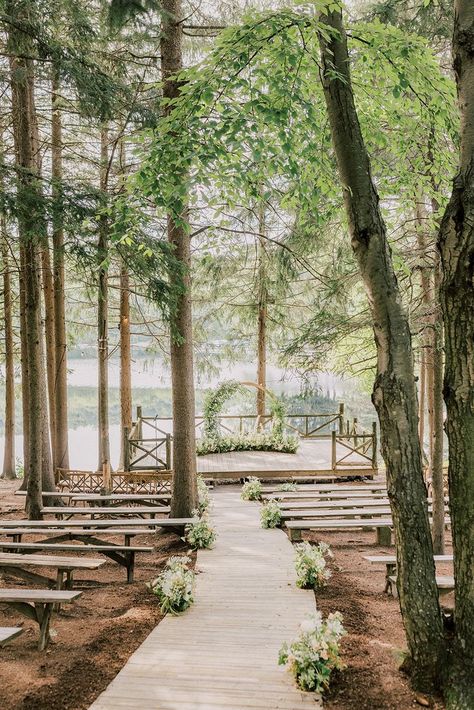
(221, 654)
(8, 633)
(104, 523)
(31, 546)
(105, 510)
(42, 596)
(68, 563)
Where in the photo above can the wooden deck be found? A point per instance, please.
(222, 654)
(312, 460)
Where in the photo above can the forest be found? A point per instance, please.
(217, 221)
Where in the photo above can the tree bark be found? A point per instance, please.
(61, 438)
(102, 313)
(262, 295)
(394, 394)
(456, 248)
(125, 356)
(8, 470)
(184, 499)
(49, 335)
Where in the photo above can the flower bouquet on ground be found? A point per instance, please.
(270, 514)
(252, 489)
(174, 586)
(200, 535)
(311, 566)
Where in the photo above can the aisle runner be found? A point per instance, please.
(222, 654)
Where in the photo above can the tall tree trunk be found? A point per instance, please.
(125, 355)
(102, 312)
(50, 352)
(394, 393)
(456, 247)
(25, 378)
(8, 470)
(61, 439)
(262, 295)
(184, 498)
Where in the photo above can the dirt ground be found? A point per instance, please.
(375, 643)
(93, 636)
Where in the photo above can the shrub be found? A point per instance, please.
(204, 499)
(288, 487)
(270, 514)
(252, 489)
(213, 404)
(200, 535)
(313, 656)
(247, 441)
(174, 586)
(310, 564)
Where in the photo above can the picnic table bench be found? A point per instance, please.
(65, 567)
(37, 604)
(66, 512)
(177, 523)
(390, 562)
(8, 633)
(445, 584)
(365, 513)
(328, 488)
(383, 527)
(151, 499)
(307, 495)
(124, 555)
(343, 503)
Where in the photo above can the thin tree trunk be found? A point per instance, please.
(49, 335)
(422, 399)
(262, 318)
(184, 498)
(437, 478)
(125, 356)
(9, 451)
(102, 314)
(394, 393)
(61, 438)
(456, 247)
(25, 378)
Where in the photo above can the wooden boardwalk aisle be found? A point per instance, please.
(222, 654)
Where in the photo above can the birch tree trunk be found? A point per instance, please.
(61, 438)
(184, 499)
(394, 394)
(456, 248)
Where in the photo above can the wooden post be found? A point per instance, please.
(126, 448)
(139, 423)
(168, 452)
(356, 440)
(341, 418)
(374, 445)
(106, 477)
(333, 450)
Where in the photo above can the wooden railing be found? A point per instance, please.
(146, 447)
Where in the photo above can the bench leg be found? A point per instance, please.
(43, 620)
(295, 535)
(384, 537)
(388, 582)
(130, 560)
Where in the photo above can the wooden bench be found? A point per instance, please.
(65, 567)
(8, 633)
(67, 513)
(124, 555)
(444, 583)
(152, 499)
(342, 503)
(329, 488)
(37, 604)
(349, 513)
(390, 562)
(175, 523)
(307, 496)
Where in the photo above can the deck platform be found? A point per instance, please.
(222, 653)
(312, 460)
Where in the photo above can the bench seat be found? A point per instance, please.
(14, 564)
(37, 604)
(390, 562)
(68, 512)
(8, 633)
(445, 584)
(101, 523)
(124, 555)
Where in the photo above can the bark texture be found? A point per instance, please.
(103, 314)
(184, 498)
(456, 247)
(262, 295)
(394, 394)
(8, 470)
(125, 356)
(61, 438)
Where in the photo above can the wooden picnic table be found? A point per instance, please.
(38, 604)
(69, 512)
(8, 633)
(101, 523)
(124, 555)
(15, 564)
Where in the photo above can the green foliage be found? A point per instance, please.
(204, 499)
(174, 586)
(213, 404)
(200, 535)
(252, 489)
(310, 565)
(270, 514)
(251, 441)
(313, 656)
(288, 487)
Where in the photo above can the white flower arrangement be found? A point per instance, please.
(252, 489)
(313, 656)
(201, 534)
(288, 487)
(310, 564)
(174, 586)
(204, 499)
(270, 514)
